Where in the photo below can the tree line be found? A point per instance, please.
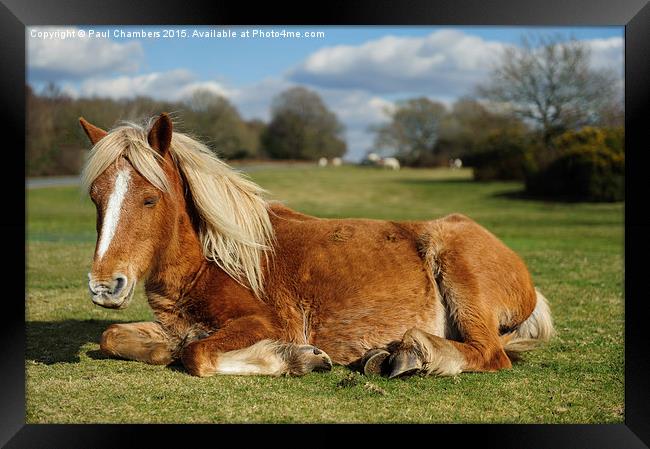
(301, 126)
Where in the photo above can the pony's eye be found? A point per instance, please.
(150, 201)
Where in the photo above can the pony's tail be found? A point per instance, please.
(537, 329)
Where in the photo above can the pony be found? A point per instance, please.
(242, 285)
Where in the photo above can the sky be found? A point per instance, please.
(359, 72)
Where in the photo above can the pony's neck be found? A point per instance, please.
(179, 260)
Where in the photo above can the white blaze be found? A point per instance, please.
(113, 210)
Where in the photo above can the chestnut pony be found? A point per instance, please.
(241, 285)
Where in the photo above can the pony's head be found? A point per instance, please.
(133, 213)
(141, 180)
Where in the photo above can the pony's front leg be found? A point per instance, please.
(249, 345)
(146, 342)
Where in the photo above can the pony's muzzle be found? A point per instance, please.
(108, 293)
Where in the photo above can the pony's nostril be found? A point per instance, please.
(109, 288)
(120, 283)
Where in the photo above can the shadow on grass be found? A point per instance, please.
(438, 182)
(177, 366)
(52, 342)
(469, 183)
(522, 195)
(518, 194)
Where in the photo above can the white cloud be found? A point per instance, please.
(186, 90)
(172, 85)
(357, 110)
(254, 100)
(356, 107)
(607, 53)
(75, 58)
(445, 62)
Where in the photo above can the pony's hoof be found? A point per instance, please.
(403, 364)
(308, 358)
(373, 361)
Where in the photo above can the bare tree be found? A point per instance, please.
(465, 129)
(548, 80)
(412, 132)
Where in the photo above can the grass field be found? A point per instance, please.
(574, 251)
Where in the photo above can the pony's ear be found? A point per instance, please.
(94, 133)
(160, 135)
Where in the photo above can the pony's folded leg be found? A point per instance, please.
(265, 358)
(250, 345)
(422, 353)
(146, 342)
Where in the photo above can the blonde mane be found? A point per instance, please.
(235, 229)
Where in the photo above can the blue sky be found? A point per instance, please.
(358, 71)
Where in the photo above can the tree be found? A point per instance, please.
(51, 136)
(412, 132)
(591, 167)
(57, 145)
(548, 81)
(465, 129)
(254, 130)
(302, 127)
(213, 118)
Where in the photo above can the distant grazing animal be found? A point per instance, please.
(373, 157)
(322, 162)
(390, 162)
(455, 163)
(241, 285)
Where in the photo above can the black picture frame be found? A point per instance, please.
(15, 15)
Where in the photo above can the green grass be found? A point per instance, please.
(574, 251)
